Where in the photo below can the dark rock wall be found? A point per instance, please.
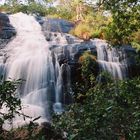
(7, 31)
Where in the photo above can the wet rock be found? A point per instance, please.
(7, 31)
(4, 18)
(57, 25)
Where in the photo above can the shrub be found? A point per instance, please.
(8, 100)
(125, 21)
(82, 31)
(136, 40)
(136, 36)
(93, 26)
(97, 34)
(110, 111)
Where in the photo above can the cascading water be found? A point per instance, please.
(66, 74)
(1, 64)
(109, 59)
(29, 59)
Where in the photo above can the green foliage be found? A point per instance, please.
(86, 31)
(32, 8)
(82, 31)
(104, 77)
(110, 111)
(89, 69)
(136, 40)
(37, 9)
(126, 20)
(93, 25)
(96, 34)
(9, 102)
(136, 45)
(61, 12)
(88, 64)
(136, 36)
(67, 9)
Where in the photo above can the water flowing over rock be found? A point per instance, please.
(118, 61)
(70, 48)
(28, 58)
(47, 60)
(112, 60)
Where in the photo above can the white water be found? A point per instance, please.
(109, 59)
(29, 59)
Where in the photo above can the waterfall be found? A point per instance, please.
(63, 88)
(67, 91)
(111, 60)
(1, 64)
(45, 84)
(29, 59)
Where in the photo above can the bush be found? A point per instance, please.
(88, 64)
(110, 111)
(125, 21)
(64, 13)
(93, 26)
(82, 31)
(9, 100)
(136, 36)
(136, 40)
(97, 34)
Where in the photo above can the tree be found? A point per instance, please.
(74, 7)
(9, 101)
(125, 15)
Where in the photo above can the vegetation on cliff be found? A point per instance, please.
(105, 108)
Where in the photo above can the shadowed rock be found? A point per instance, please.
(7, 31)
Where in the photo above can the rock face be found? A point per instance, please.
(57, 25)
(7, 31)
(68, 50)
(67, 47)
